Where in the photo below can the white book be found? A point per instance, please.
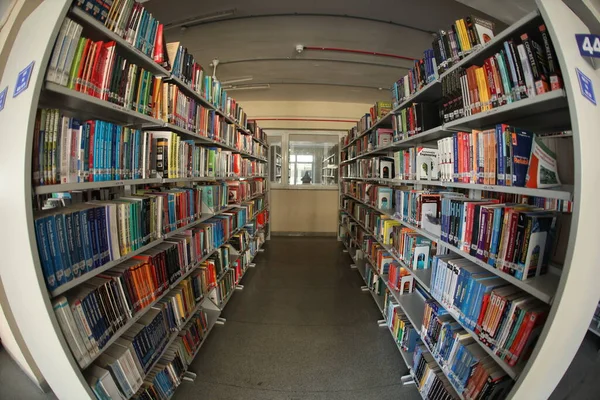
(59, 45)
(107, 361)
(85, 329)
(65, 149)
(73, 43)
(62, 59)
(529, 82)
(106, 381)
(70, 330)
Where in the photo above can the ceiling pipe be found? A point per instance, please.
(353, 51)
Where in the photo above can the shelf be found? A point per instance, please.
(99, 31)
(441, 364)
(259, 141)
(542, 287)
(428, 93)
(68, 187)
(594, 328)
(564, 192)
(328, 157)
(547, 111)
(386, 118)
(189, 91)
(85, 106)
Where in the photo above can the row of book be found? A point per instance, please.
(256, 131)
(503, 317)
(414, 119)
(239, 191)
(405, 335)
(97, 309)
(471, 370)
(374, 167)
(423, 72)
(505, 156)
(67, 150)
(162, 381)
(376, 139)
(77, 239)
(398, 277)
(379, 110)
(130, 20)
(523, 67)
(514, 238)
(463, 37)
(429, 378)
(96, 68)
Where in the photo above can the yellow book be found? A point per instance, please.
(459, 36)
(465, 35)
(482, 89)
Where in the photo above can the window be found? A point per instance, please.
(306, 154)
(303, 160)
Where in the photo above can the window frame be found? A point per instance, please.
(283, 137)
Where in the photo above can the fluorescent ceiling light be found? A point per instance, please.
(186, 23)
(237, 80)
(249, 87)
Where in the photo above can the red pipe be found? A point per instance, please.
(370, 53)
(305, 119)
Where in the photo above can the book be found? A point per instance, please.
(542, 171)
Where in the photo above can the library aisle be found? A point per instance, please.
(301, 329)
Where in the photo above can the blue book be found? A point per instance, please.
(499, 132)
(63, 246)
(455, 156)
(93, 234)
(45, 252)
(496, 231)
(521, 150)
(78, 241)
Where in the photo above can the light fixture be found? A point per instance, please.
(249, 87)
(186, 23)
(237, 80)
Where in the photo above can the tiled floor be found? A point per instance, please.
(302, 330)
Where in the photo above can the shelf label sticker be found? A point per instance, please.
(588, 44)
(23, 79)
(3, 98)
(586, 85)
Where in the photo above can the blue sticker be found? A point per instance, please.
(586, 86)
(589, 45)
(23, 79)
(3, 98)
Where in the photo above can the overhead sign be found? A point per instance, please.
(589, 45)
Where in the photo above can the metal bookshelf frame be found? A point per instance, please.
(21, 271)
(571, 294)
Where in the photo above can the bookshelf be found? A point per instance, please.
(561, 289)
(276, 164)
(330, 166)
(54, 351)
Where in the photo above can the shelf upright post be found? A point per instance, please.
(20, 269)
(578, 292)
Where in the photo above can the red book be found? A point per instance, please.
(532, 319)
(489, 76)
(159, 55)
(92, 88)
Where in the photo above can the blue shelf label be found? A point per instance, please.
(23, 79)
(589, 45)
(3, 98)
(586, 86)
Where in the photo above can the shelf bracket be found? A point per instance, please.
(344, 251)
(407, 380)
(353, 266)
(382, 323)
(239, 287)
(220, 321)
(364, 288)
(252, 265)
(261, 250)
(189, 376)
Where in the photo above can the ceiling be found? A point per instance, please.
(258, 38)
